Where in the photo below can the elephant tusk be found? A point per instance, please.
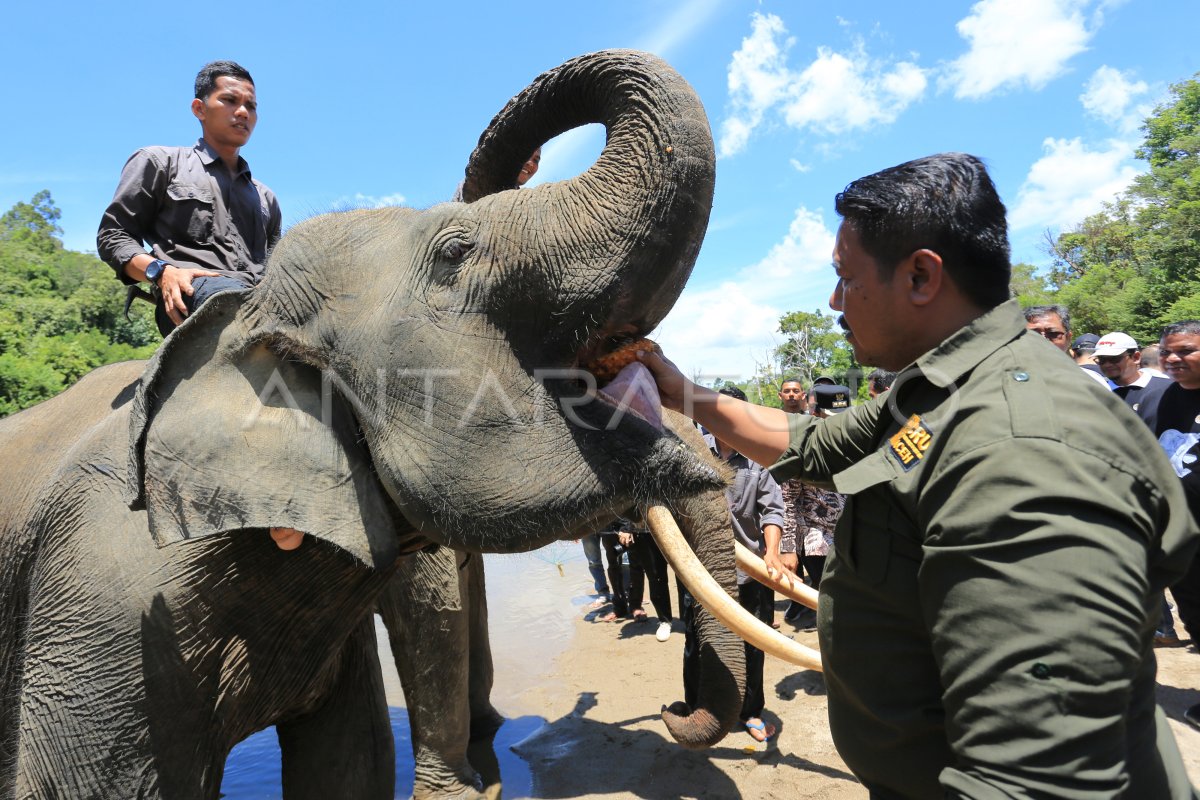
(718, 602)
(756, 568)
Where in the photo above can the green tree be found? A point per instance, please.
(815, 346)
(1030, 288)
(60, 311)
(34, 223)
(1135, 266)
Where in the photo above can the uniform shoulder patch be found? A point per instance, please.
(908, 446)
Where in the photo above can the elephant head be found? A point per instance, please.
(419, 370)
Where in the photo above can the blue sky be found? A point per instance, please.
(365, 103)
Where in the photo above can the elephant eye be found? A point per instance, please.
(455, 249)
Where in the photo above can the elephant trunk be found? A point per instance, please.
(633, 223)
(720, 677)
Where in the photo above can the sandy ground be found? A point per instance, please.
(603, 739)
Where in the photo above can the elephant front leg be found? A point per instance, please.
(485, 719)
(426, 611)
(343, 748)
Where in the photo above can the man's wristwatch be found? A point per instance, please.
(154, 270)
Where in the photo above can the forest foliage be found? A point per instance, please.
(60, 311)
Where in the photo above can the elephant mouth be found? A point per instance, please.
(618, 382)
(628, 404)
(633, 391)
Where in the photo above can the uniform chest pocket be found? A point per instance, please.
(876, 538)
(190, 212)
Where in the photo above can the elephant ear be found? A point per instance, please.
(227, 435)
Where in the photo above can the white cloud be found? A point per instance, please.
(719, 332)
(1017, 43)
(836, 93)
(798, 166)
(360, 200)
(725, 330)
(1109, 96)
(758, 77)
(807, 247)
(1070, 182)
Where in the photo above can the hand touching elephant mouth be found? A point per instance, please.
(628, 384)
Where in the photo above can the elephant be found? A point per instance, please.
(147, 623)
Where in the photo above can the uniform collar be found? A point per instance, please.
(208, 156)
(968, 346)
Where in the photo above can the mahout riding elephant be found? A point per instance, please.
(399, 377)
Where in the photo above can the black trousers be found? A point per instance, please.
(203, 288)
(645, 559)
(759, 600)
(814, 566)
(616, 574)
(1187, 600)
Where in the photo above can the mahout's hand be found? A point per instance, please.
(174, 284)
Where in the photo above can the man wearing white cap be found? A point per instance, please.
(1119, 358)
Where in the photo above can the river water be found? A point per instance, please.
(534, 600)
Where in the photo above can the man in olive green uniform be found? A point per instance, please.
(986, 617)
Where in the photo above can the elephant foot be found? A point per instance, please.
(448, 793)
(482, 755)
(436, 779)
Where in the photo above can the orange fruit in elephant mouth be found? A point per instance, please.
(606, 367)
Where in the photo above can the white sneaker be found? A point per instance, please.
(664, 631)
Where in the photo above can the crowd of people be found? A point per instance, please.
(1134, 373)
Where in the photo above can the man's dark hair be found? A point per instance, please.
(206, 78)
(945, 203)
(732, 391)
(1037, 312)
(790, 379)
(881, 380)
(1191, 327)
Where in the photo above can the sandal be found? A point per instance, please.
(599, 602)
(759, 731)
(609, 617)
(639, 616)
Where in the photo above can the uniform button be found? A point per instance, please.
(1040, 671)
(1020, 377)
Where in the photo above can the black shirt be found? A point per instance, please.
(1174, 416)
